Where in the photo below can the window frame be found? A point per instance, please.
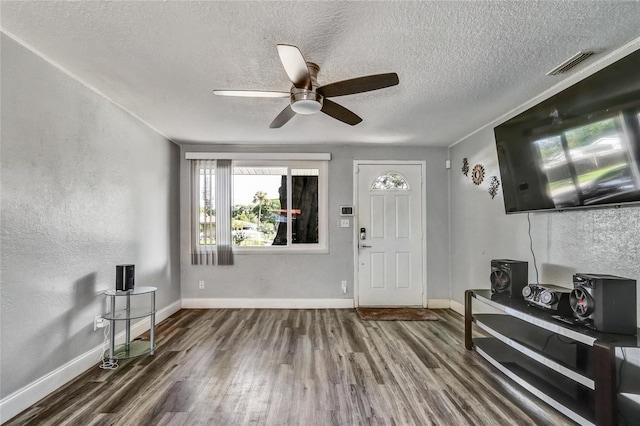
(323, 209)
(290, 161)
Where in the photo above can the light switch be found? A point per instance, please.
(344, 223)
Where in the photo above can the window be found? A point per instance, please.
(390, 181)
(276, 206)
(207, 204)
(203, 212)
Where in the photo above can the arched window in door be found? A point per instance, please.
(390, 181)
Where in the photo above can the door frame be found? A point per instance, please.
(356, 224)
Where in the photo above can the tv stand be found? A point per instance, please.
(136, 348)
(570, 367)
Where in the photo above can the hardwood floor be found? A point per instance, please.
(296, 367)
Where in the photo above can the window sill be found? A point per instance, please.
(263, 250)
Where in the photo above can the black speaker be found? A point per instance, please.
(125, 277)
(508, 277)
(605, 303)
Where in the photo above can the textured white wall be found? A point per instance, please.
(85, 186)
(319, 275)
(592, 241)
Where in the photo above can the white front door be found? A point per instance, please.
(390, 221)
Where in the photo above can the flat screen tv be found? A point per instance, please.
(578, 149)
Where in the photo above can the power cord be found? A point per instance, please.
(107, 364)
(559, 338)
(546, 342)
(535, 263)
(570, 342)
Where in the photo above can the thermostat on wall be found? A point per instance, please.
(346, 210)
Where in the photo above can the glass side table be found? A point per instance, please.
(136, 348)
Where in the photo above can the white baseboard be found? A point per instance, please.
(458, 307)
(22, 399)
(267, 303)
(438, 303)
(250, 303)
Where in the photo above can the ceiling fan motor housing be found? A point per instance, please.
(304, 101)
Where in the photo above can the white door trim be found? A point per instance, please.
(356, 225)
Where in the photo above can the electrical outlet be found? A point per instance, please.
(344, 286)
(98, 322)
(201, 285)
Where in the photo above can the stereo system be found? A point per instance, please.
(548, 296)
(508, 277)
(605, 303)
(125, 277)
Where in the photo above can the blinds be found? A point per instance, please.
(223, 210)
(211, 239)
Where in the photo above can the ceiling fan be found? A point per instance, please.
(306, 97)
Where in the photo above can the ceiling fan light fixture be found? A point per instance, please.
(306, 107)
(305, 101)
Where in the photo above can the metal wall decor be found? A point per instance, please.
(494, 184)
(477, 174)
(465, 166)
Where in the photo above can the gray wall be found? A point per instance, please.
(597, 240)
(85, 186)
(319, 275)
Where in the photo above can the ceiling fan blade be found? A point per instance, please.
(295, 66)
(359, 85)
(282, 118)
(252, 93)
(340, 113)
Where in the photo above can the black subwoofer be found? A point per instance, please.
(605, 303)
(508, 277)
(125, 277)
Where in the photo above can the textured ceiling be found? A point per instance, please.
(461, 64)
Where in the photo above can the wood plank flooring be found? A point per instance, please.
(296, 367)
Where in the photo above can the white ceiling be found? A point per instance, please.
(461, 64)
